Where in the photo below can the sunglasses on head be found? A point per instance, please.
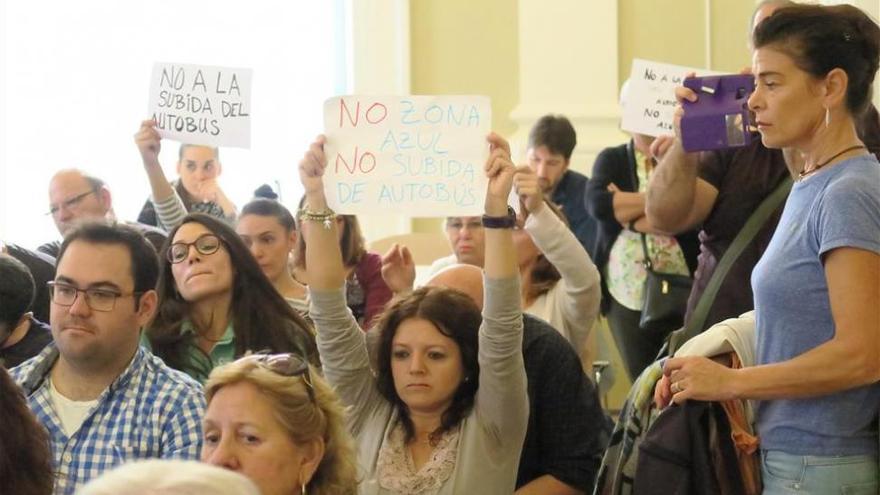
(287, 364)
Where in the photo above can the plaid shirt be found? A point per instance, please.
(149, 411)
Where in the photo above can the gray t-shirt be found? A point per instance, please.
(836, 207)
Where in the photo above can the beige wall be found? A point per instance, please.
(674, 31)
(472, 47)
(465, 47)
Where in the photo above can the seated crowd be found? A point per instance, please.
(207, 349)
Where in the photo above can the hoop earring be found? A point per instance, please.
(302, 486)
(827, 117)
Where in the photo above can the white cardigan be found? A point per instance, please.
(572, 305)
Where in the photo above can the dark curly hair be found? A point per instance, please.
(261, 319)
(456, 316)
(25, 456)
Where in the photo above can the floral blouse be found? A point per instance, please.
(625, 271)
(398, 474)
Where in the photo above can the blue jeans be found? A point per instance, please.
(786, 474)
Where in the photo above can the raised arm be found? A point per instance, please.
(580, 277)
(677, 199)
(341, 343)
(501, 400)
(168, 205)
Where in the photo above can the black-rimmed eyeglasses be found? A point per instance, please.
(64, 294)
(205, 244)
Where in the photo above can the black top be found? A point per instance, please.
(42, 268)
(744, 177)
(38, 337)
(567, 430)
(617, 165)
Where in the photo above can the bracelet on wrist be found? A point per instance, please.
(326, 216)
(504, 222)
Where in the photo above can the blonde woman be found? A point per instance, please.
(271, 418)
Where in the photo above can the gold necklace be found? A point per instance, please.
(803, 173)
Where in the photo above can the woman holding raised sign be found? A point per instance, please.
(195, 191)
(431, 420)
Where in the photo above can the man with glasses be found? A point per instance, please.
(75, 196)
(103, 398)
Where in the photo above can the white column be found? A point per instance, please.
(379, 64)
(568, 65)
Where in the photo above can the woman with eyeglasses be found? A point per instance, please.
(215, 304)
(279, 423)
(446, 411)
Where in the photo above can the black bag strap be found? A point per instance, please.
(634, 170)
(745, 235)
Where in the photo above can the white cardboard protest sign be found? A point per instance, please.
(420, 156)
(199, 104)
(650, 100)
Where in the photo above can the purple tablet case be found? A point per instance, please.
(720, 116)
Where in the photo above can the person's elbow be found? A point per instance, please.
(666, 217)
(867, 370)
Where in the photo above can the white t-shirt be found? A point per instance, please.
(72, 413)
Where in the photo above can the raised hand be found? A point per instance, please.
(398, 269)
(528, 188)
(208, 190)
(681, 94)
(499, 170)
(661, 145)
(311, 169)
(149, 142)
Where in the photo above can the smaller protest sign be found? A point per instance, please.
(650, 100)
(198, 104)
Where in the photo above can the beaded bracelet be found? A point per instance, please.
(326, 216)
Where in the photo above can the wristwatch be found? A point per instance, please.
(506, 222)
